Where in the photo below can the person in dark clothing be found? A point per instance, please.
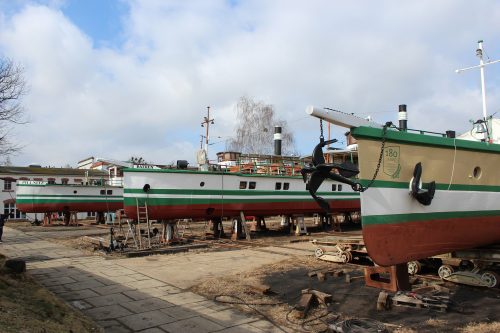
(3, 217)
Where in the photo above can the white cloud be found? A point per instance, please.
(148, 96)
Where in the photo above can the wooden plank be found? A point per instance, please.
(303, 306)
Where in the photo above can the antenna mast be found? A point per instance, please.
(479, 53)
(206, 123)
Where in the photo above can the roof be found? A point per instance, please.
(13, 170)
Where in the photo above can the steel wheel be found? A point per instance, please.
(345, 257)
(319, 252)
(444, 271)
(490, 279)
(414, 267)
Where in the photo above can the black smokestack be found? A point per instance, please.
(277, 140)
(403, 118)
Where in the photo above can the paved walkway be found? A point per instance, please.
(140, 294)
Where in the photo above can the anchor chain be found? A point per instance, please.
(362, 188)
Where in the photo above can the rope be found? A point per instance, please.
(362, 325)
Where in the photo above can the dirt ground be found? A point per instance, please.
(471, 309)
(27, 307)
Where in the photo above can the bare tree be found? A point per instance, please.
(12, 88)
(255, 129)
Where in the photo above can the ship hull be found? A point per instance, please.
(177, 194)
(465, 210)
(37, 197)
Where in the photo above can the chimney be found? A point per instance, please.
(403, 118)
(277, 140)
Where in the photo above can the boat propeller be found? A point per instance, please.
(424, 196)
(315, 175)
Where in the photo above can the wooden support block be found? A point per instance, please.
(337, 273)
(321, 276)
(383, 301)
(312, 273)
(320, 296)
(441, 289)
(304, 305)
(423, 290)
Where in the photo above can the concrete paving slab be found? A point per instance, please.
(183, 298)
(80, 285)
(141, 321)
(268, 327)
(230, 317)
(153, 330)
(192, 325)
(147, 305)
(79, 294)
(108, 300)
(111, 289)
(108, 312)
(245, 328)
(80, 305)
(180, 312)
(143, 284)
(56, 281)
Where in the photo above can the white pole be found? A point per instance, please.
(481, 64)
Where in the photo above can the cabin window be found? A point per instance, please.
(277, 186)
(202, 184)
(103, 192)
(51, 181)
(339, 187)
(7, 185)
(252, 185)
(109, 192)
(64, 181)
(334, 187)
(77, 180)
(38, 179)
(477, 172)
(243, 185)
(286, 186)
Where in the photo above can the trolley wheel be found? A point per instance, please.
(445, 270)
(345, 257)
(490, 279)
(414, 267)
(319, 252)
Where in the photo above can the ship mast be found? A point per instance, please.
(479, 53)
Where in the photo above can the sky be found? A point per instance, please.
(121, 78)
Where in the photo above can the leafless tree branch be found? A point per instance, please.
(255, 129)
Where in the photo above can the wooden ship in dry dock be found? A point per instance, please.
(422, 194)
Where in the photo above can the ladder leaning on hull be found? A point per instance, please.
(143, 217)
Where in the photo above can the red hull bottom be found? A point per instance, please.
(230, 210)
(392, 244)
(73, 207)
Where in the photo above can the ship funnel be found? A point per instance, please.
(403, 118)
(277, 140)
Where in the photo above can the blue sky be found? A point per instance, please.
(121, 78)
(102, 20)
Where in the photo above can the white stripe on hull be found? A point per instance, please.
(391, 201)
